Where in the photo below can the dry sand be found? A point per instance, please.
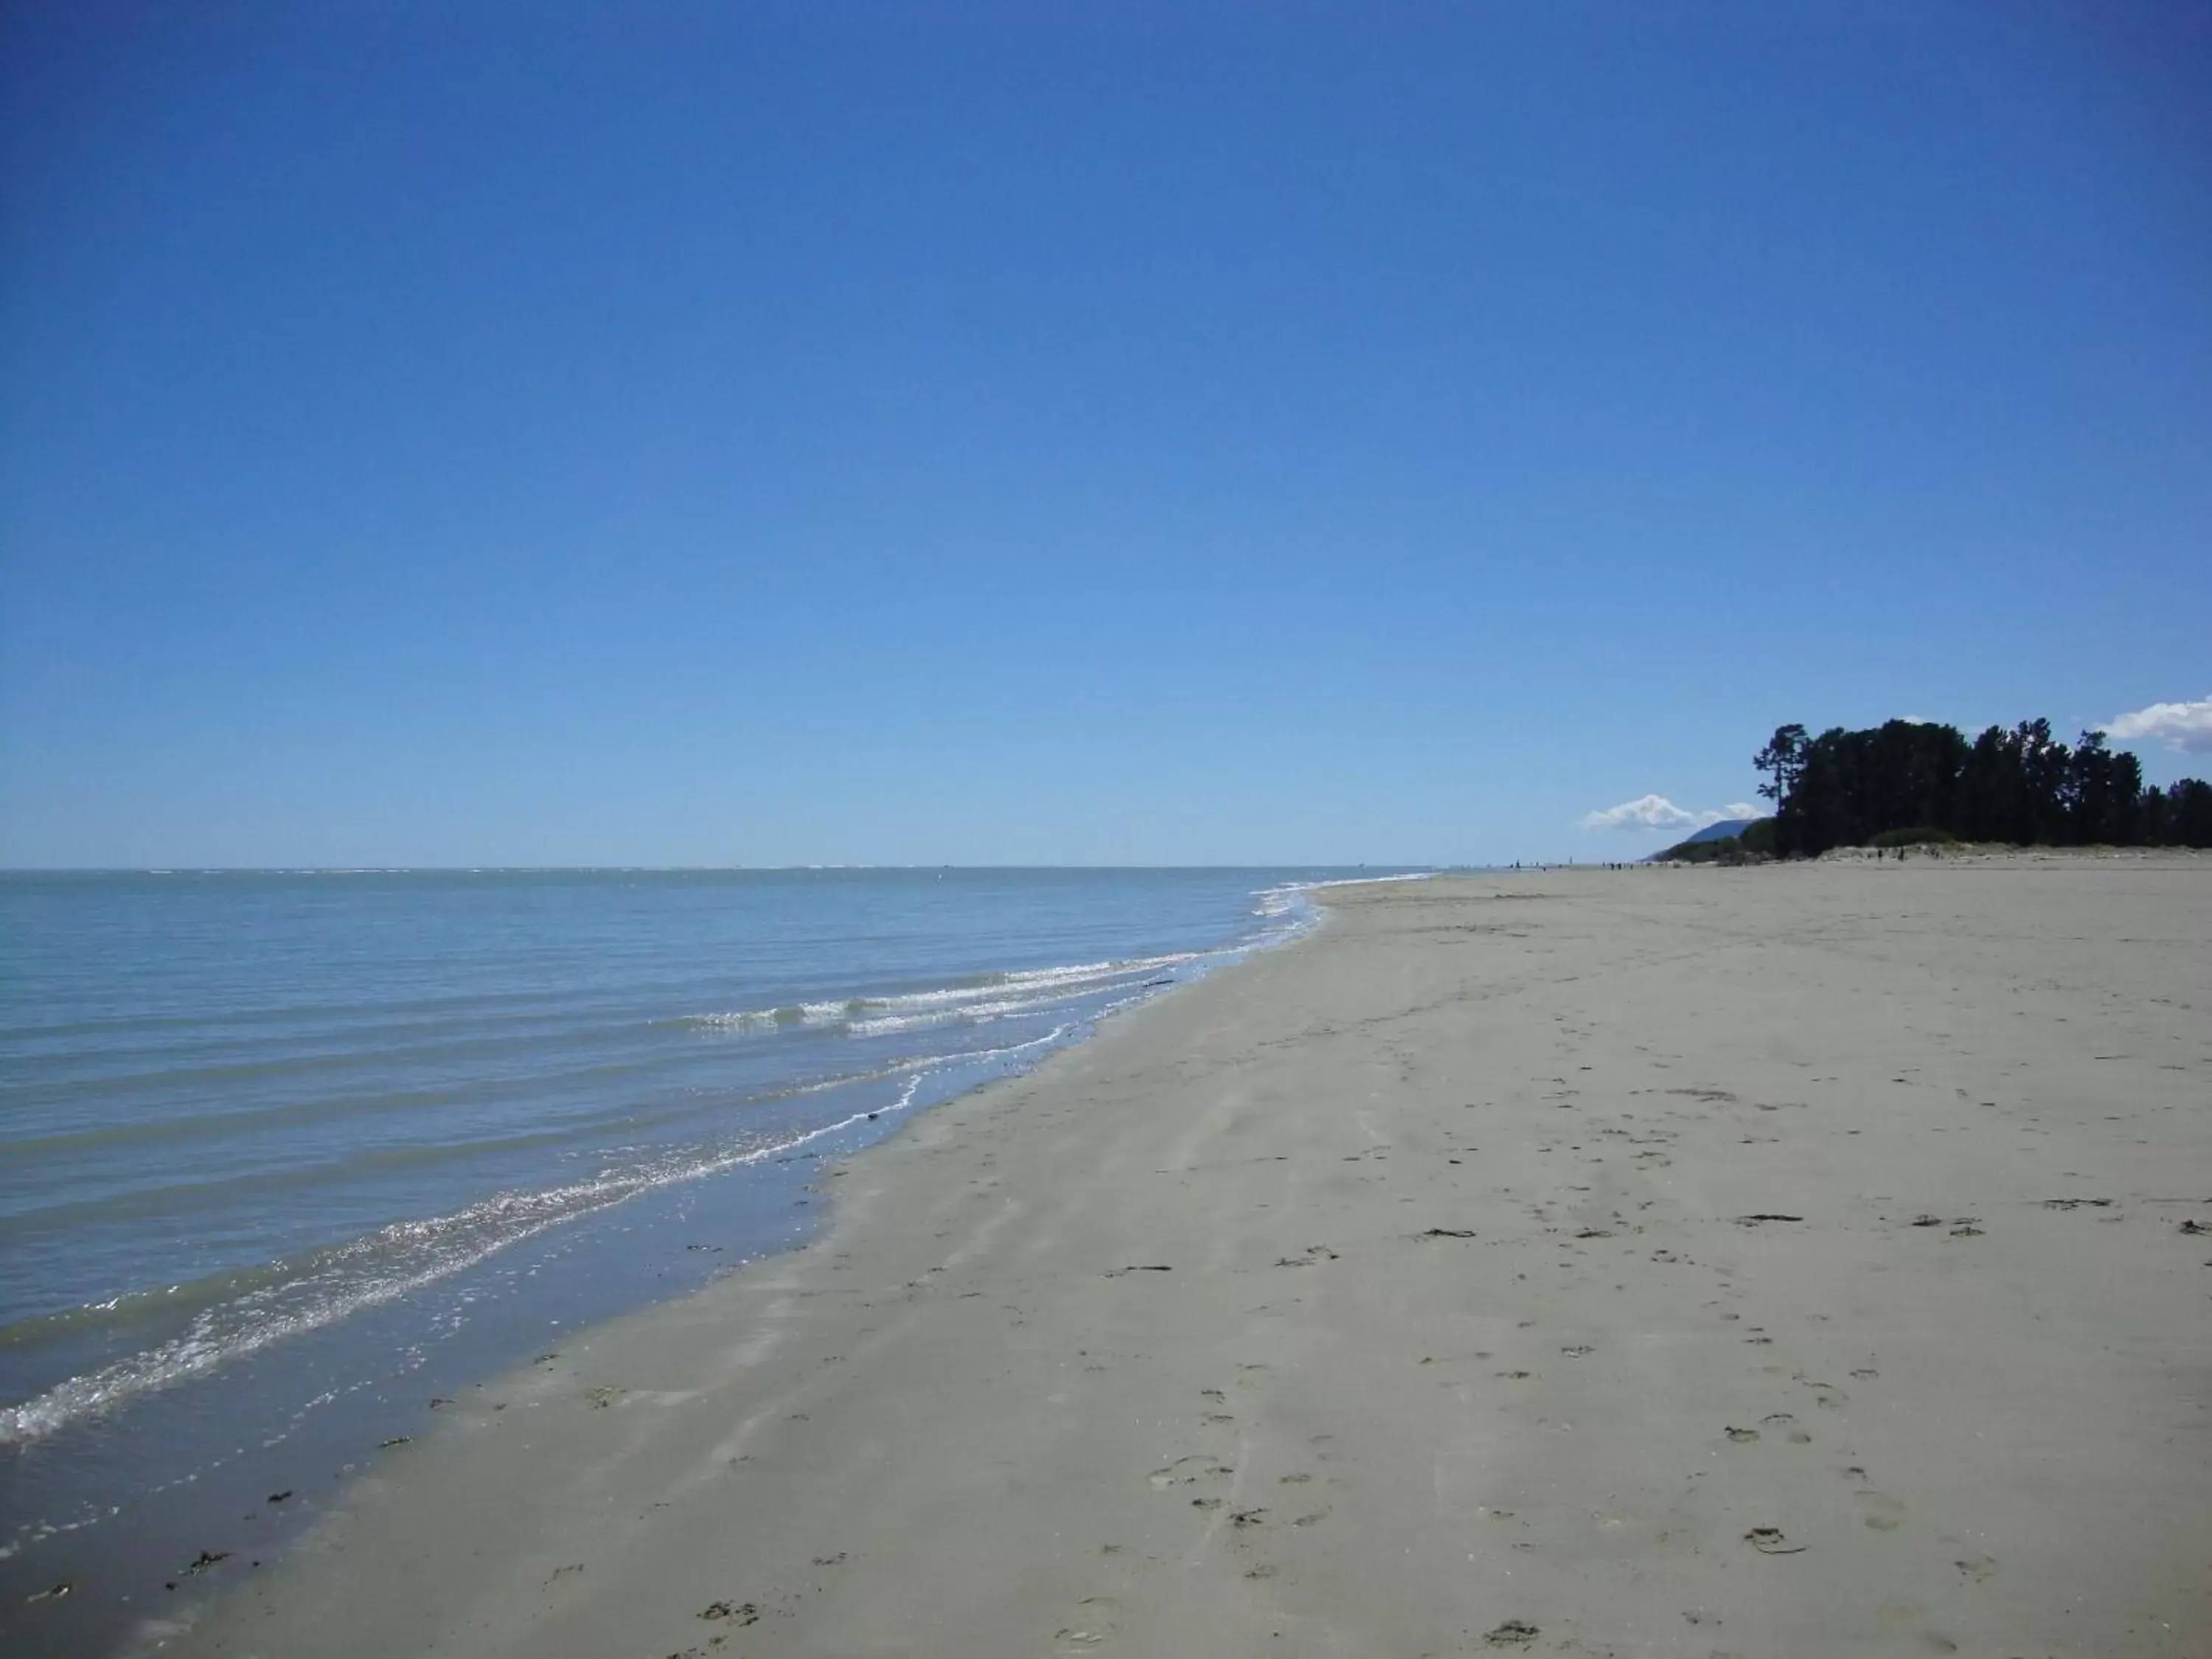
(1789, 1261)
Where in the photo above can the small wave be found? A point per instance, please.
(769, 1019)
(930, 1063)
(333, 1284)
(969, 1013)
(284, 1300)
(1294, 900)
(991, 995)
(1373, 881)
(244, 1312)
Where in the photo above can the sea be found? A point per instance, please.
(287, 1156)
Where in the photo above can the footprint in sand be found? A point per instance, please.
(1786, 1425)
(1743, 1436)
(1977, 1568)
(1185, 1471)
(1093, 1623)
(1879, 1509)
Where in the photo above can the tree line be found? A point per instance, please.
(1894, 780)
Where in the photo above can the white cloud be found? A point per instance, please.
(1644, 812)
(2184, 727)
(1657, 812)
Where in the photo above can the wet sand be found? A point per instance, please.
(1702, 1262)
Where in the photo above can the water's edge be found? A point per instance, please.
(304, 1525)
(181, 1558)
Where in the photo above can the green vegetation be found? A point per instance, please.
(1725, 850)
(1752, 844)
(1906, 783)
(1923, 836)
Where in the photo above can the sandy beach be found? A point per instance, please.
(1803, 1259)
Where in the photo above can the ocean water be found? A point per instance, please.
(282, 1154)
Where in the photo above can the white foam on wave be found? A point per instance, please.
(1373, 881)
(408, 1256)
(990, 996)
(348, 1277)
(768, 1019)
(930, 1063)
(970, 1013)
(1296, 897)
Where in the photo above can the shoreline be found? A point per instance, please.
(1064, 1371)
(300, 1530)
(159, 1551)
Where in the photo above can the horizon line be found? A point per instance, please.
(674, 869)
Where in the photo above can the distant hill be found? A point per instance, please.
(1720, 831)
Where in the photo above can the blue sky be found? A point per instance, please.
(491, 432)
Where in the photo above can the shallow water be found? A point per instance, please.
(283, 1154)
